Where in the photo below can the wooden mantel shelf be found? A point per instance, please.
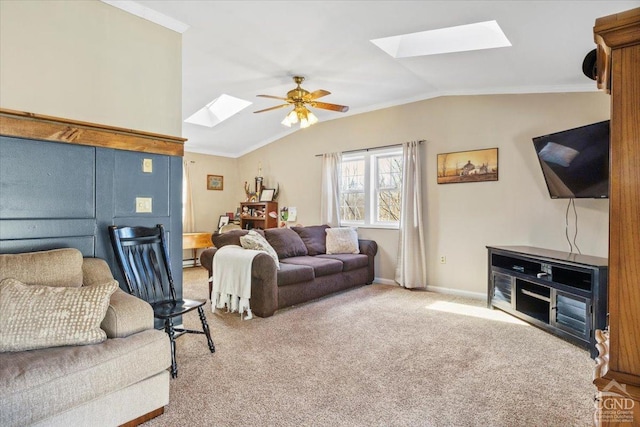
(22, 124)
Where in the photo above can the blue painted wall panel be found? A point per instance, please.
(84, 244)
(40, 228)
(63, 195)
(131, 182)
(46, 180)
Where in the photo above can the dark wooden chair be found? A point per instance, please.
(144, 261)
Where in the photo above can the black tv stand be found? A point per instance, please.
(562, 293)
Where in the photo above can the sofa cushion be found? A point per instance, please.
(286, 242)
(126, 315)
(95, 271)
(34, 316)
(35, 384)
(230, 238)
(350, 261)
(293, 273)
(321, 266)
(343, 240)
(58, 267)
(257, 242)
(314, 238)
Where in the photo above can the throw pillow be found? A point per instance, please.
(57, 267)
(314, 238)
(342, 240)
(558, 154)
(256, 242)
(35, 316)
(286, 242)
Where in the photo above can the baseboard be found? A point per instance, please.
(189, 263)
(144, 418)
(439, 290)
(382, 281)
(458, 292)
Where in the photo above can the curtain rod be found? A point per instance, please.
(371, 148)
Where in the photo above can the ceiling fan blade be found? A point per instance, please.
(333, 107)
(272, 108)
(318, 94)
(274, 97)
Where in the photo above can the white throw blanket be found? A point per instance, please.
(231, 279)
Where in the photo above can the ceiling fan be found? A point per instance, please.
(300, 99)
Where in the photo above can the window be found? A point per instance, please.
(371, 188)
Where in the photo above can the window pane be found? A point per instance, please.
(352, 206)
(389, 184)
(389, 170)
(353, 175)
(388, 206)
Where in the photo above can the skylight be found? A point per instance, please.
(149, 14)
(218, 110)
(478, 36)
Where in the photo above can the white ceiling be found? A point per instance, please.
(246, 48)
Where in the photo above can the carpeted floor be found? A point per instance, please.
(377, 356)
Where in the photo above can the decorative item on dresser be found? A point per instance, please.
(617, 376)
(256, 215)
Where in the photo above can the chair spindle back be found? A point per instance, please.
(144, 261)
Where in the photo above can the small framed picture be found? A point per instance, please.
(267, 194)
(215, 182)
(223, 220)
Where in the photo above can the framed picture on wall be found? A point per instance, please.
(468, 166)
(267, 194)
(215, 182)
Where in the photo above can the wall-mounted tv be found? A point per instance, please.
(575, 162)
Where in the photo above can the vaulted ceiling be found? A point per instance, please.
(246, 48)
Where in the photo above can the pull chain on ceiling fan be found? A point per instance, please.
(301, 99)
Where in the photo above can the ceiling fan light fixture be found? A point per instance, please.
(312, 118)
(286, 122)
(292, 117)
(300, 98)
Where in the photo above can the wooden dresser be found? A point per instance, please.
(617, 375)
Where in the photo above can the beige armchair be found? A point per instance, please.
(119, 380)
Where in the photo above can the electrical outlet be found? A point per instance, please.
(443, 259)
(147, 165)
(143, 205)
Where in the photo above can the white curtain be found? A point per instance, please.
(330, 201)
(411, 269)
(188, 221)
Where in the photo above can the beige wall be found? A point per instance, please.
(461, 219)
(208, 205)
(86, 60)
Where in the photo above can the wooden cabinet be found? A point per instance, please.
(562, 293)
(618, 373)
(256, 215)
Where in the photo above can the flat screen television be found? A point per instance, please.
(575, 162)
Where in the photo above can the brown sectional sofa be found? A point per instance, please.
(306, 271)
(106, 384)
